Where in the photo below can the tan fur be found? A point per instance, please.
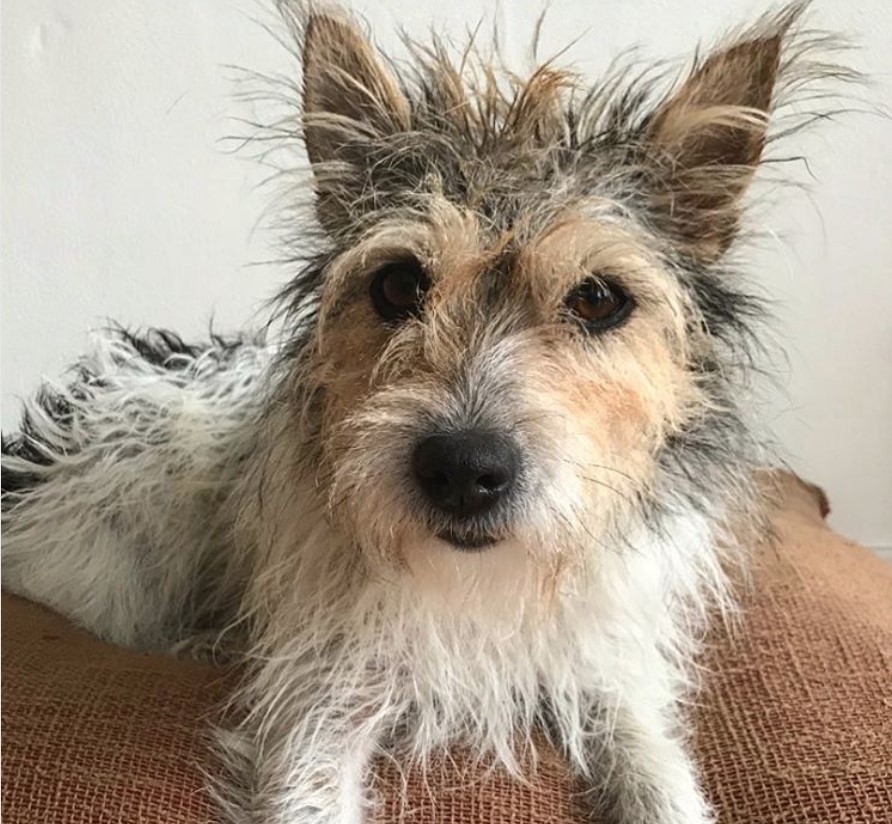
(383, 604)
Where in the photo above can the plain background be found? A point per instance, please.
(122, 199)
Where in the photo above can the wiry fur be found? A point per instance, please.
(113, 489)
(173, 490)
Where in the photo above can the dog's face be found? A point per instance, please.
(484, 385)
(521, 319)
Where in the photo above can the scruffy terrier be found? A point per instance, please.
(484, 484)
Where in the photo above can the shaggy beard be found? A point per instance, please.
(435, 646)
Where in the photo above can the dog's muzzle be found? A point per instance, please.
(469, 476)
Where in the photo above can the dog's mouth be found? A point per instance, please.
(468, 542)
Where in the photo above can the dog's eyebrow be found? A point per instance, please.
(497, 275)
(504, 258)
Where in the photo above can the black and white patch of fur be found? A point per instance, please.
(121, 474)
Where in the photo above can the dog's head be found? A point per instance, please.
(523, 328)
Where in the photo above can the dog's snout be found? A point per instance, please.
(466, 473)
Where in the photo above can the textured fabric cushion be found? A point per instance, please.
(795, 725)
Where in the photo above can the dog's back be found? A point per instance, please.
(114, 490)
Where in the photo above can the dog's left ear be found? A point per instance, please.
(707, 139)
(349, 97)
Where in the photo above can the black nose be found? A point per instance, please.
(466, 473)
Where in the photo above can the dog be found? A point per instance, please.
(485, 482)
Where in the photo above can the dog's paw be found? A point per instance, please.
(652, 805)
(676, 808)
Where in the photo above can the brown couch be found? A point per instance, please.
(795, 726)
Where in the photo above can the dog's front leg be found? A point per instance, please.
(637, 769)
(302, 762)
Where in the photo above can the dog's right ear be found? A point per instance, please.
(349, 98)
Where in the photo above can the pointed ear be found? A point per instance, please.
(708, 139)
(348, 92)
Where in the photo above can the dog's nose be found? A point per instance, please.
(466, 473)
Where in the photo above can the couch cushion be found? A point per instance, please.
(795, 724)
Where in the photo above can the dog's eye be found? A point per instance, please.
(599, 304)
(397, 289)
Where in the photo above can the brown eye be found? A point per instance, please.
(599, 304)
(397, 289)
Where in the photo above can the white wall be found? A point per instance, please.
(120, 201)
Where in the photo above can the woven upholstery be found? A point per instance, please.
(795, 726)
